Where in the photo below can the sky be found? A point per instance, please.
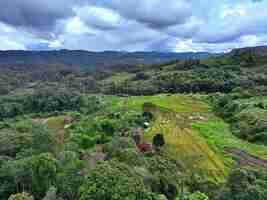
(133, 25)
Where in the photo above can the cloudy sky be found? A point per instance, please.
(133, 25)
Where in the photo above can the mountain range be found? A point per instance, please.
(90, 60)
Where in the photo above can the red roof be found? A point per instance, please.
(144, 147)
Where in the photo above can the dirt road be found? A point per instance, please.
(245, 158)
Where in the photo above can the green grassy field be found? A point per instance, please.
(218, 135)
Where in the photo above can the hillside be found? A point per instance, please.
(178, 130)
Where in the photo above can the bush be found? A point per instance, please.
(165, 176)
(21, 196)
(114, 181)
(198, 196)
(245, 184)
(141, 76)
(158, 141)
(129, 156)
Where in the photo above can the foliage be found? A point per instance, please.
(113, 180)
(68, 178)
(44, 169)
(246, 116)
(124, 150)
(21, 196)
(26, 138)
(42, 139)
(35, 174)
(47, 100)
(245, 184)
(158, 141)
(198, 196)
(166, 178)
(192, 162)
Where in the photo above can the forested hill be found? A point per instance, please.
(89, 59)
(190, 129)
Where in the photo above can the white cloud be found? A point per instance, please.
(232, 12)
(249, 40)
(177, 25)
(99, 17)
(76, 26)
(57, 44)
(187, 45)
(7, 44)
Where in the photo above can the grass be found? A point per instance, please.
(175, 103)
(218, 135)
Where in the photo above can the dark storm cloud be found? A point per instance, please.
(154, 13)
(169, 25)
(35, 14)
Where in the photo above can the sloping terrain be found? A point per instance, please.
(193, 137)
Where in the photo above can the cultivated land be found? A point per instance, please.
(194, 136)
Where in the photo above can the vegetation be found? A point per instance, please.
(114, 181)
(124, 133)
(246, 115)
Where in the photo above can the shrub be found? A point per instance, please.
(158, 141)
(114, 181)
(21, 196)
(198, 196)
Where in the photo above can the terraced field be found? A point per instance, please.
(174, 119)
(185, 146)
(192, 136)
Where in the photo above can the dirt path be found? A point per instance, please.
(245, 158)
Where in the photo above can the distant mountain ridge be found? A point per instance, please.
(257, 50)
(81, 58)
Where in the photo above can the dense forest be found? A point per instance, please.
(182, 129)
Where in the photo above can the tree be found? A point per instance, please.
(43, 139)
(114, 181)
(158, 141)
(245, 184)
(141, 76)
(165, 177)
(44, 169)
(12, 142)
(69, 178)
(21, 196)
